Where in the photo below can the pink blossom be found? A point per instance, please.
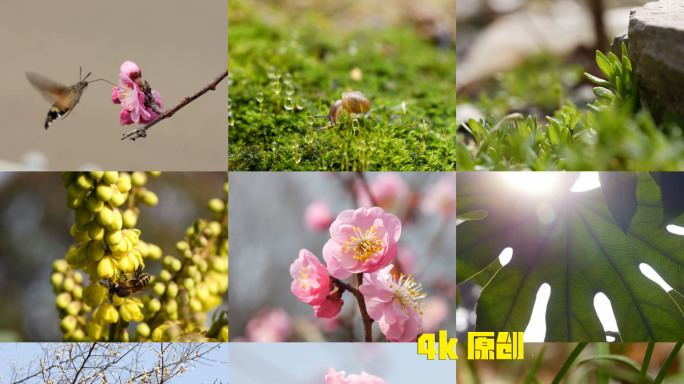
(318, 216)
(388, 189)
(338, 378)
(329, 308)
(131, 70)
(435, 312)
(269, 325)
(406, 260)
(396, 304)
(311, 282)
(361, 241)
(131, 98)
(441, 198)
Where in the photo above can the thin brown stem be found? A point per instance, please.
(367, 321)
(142, 131)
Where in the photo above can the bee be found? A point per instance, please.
(125, 287)
(64, 98)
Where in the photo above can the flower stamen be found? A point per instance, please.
(364, 245)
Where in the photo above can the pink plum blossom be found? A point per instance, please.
(395, 303)
(435, 312)
(388, 189)
(364, 378)
(311, 284)
(131, 70)
(330, 307)
(269, 325)
(362, 240)
(318, 216)
(406, 260)
(131, 98)
(441, 197)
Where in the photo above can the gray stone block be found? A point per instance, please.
(656, 50)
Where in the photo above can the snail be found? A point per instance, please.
(352, 102)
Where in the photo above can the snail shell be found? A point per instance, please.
(352, 102)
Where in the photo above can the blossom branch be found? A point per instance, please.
(367, 321)
(142, 131)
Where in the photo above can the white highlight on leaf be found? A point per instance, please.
(536, 328)
(532, 183)
(604, 310)
(586, 181)
(505, 256)
(675, 229)
(649, 272)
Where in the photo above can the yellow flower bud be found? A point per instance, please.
(95, 231)
(68, 324)
(172, 290)
(114, 238)
(94, 294)
(94, 204)
(96, 175)
(96, 250)
(123, 184)
(130, 218)
(143, 329)
(82, 217)
(63, 300)
(60, 265)
(57, 279)
(104, 192)
(150, 199)
(78, 234)
(131, 311)
(216, 205)
(106, 268)
(223, 334)
(117, 221)
(93, 330)
(105, 216)
(84, 182)
(117, 198)
(139, 178)
(106, 313)
(110, 177)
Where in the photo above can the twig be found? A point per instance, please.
(142, 131)
(367, 320)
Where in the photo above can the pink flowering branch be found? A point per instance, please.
(142, 131)
(367, 321)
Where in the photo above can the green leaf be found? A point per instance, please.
(672, 192)
(603, 92)
(604, 65)
(619, 190)
(599, 81)
(570, 241)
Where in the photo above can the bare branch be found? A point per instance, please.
(142, 131)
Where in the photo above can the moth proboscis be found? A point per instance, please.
(64, 98)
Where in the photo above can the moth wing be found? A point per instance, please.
(54, 92)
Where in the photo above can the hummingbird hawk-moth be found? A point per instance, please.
(64, 98)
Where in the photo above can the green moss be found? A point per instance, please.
(409, 81)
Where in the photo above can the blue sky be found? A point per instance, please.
(22, 353)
